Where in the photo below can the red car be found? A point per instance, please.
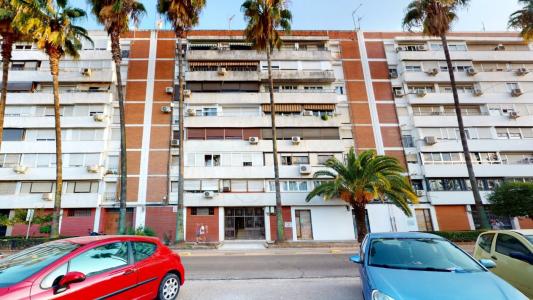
(96, 267)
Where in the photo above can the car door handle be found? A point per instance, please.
(494, 257)
(129, 271)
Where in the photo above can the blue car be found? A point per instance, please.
(412, 265)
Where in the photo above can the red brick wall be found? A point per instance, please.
(211, 223)
(76, 226)
(162, 220)
(525, 223)
(286, 212)
(452, 217)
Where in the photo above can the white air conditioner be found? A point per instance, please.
(305, 169)
(99, 117)
(93, 169)
(420, 193)
(516, 92)
(471, 71)
(478, 92)
(222, 71)
(500, 47)
(187, 93)
(398, 93)
(308, 113)
(169, 90)
(295, 140)
(191, 112)
(522, 72)
(430, 140)
(48, 197)
(253, 140)
(398, 49)
(422, 48)
(166, 109)
(421, 93)
(514, 115)
(436, 113)
(19, 169)
(433, 72)
(86, 72)
(209, 194)
(175, 142)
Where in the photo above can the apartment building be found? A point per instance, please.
(334, 90)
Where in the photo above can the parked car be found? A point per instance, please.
(396, 266)
(512, 251)
(93, 267)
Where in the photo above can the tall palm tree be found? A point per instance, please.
(115, 15)
(435, 18)
(363, 179)
(51, 25)
(183, 15)
(265, 19)
(523, 20)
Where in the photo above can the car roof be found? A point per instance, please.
(85, 240)
(414, 235)
(520, 231)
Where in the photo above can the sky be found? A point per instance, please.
(376, 15)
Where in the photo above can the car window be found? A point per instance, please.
(485, 241)
(529, 238)
(100, 259)
(142, 250)
(362, 249)
(53, 278)
(505, 244)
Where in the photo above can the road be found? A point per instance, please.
(306, 276)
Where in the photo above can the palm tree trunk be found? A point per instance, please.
(279, 214)
(482, 216)
(180, 235)
(7, 46)
(117, 58)
(360, 221)
(54, 57)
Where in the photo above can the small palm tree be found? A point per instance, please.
(115, 15)
(435, 18)
(51, 25)
(363, 179)
(183, 15)
(265, 19)
(523, 20)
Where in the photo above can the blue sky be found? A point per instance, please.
(377, 15)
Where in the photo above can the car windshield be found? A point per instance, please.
(422, 254)
(17, 267)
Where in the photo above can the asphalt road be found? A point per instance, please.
(308, 276)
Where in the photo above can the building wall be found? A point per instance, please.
(210, 224)
(452, 217)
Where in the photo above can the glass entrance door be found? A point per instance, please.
(244, 223)
(304, 227)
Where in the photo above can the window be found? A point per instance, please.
(313, 88)
(13, 134)
(511, 86)
(290, 186)
(142, 250)
(323, 158)
(208, 111)
(8, 188)
(79, 212)
(212, 160)
(505, 244)
(485, 241)
(38, 187)
(202, 211)
(82, 187)
(53, 278)
(100, 259)
(289, 160)
(9, 160)
(407, 141)
(423, 218)
(339, 90)
(413, 69)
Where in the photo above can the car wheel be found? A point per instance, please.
(169, 287)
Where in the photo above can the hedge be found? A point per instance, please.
(459, 236)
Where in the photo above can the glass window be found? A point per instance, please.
(142, 250)
(13, 134)
(100, 259)
(53, 278)
(485, 241)
(41, 187)
(7, 188)
(505, 244)
(322, 159)
(82, 187)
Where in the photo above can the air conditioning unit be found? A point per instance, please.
(253, 140)
(421, 93)
(169, 90)
(430, 140)
(422, 48)
(398, 93)
(209, 194)
(500, 47)
(86, 72)
(305, 169)
(522, 72)
(175, 142)
(433, 72)
(222, 71)
(516, 92)
(514, 115)
(187, 93)
(19, 169)
(478, 92)
(471, 71)
(48, 196)
(420, 193)
(166, 109)
(191, 112)
(398, 49)
(308, 113)
(436, 113)
(295, 140)
(93, 169)
(393, 74)
(99, 117)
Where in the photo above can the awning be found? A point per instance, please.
(222, 63)
(283, 108)
(326, 107)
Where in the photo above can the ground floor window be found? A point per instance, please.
(79, 212)
(244, 223)
(202, 211)
(423, 219)
(496, 222)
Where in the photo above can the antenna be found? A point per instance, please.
(230, 19)
(357, 24)
(483, 23)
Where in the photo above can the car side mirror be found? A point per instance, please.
(68, 279)
(487, 263)
(356, 259)
(522, 257)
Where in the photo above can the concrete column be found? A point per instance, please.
(221, 223)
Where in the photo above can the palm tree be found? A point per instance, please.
(435, 18)
(523, 20)
(265, 18)
(115, 16)
(363, 179)
(183, 15)
(51, 25)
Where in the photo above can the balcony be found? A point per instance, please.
(494, 170)
(455, 197)
(71, 97)
(295, 96)
(69, 173)
(256, 56)
(464, 98)
(48, 122)
(69, 75)
(472, 121)
(216, 76)
(480, 145)
(302, 76)
(262, 121)
(49, 147)
(36, 201)
(265, 146)
(503, 56)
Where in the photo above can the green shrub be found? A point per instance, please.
(459, 236)
(143, 231)
(45, 229)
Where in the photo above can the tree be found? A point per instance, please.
(435, 18)
(513, 199)
(51, 25)
(183, 15)
(265, 19)
(115, 15)
(362, 179)
(523, 20)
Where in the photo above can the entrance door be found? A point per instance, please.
(244, 223)
(304, 227)
(111, 220)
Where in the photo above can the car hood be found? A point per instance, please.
(408, 284)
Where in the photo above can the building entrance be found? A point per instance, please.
(244, 223)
